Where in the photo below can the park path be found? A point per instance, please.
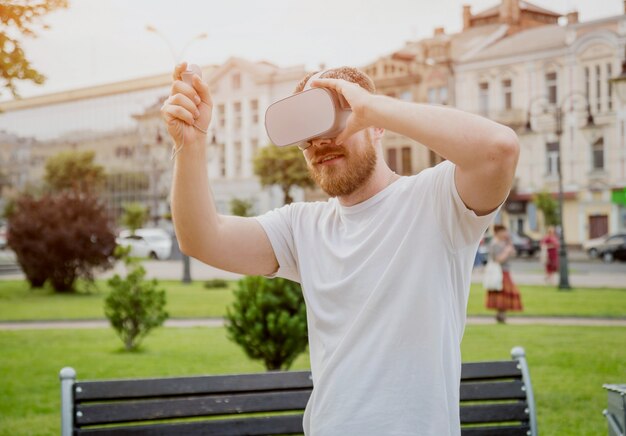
(219, 322)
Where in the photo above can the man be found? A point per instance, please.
(385, 265)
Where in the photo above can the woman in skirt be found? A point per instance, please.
(500, 250)
(550, 245)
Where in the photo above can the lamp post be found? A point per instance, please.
(176, 55)
(557, 112)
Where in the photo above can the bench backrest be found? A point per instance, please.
(496, 398)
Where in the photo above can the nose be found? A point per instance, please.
(321, 141)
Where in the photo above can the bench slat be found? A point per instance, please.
(509, 390)
(131, 411)
(490, 370)
(512, 430)
(478, 414)
(172, 386)
(274, 425)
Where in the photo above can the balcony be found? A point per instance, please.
(514, 118)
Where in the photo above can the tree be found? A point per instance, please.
(134, 216)
(135, 306)
(282, 166)
(21, 17)
(549, 206)
(268, 320)
(61, 237)
(239, 207)
(74, 170)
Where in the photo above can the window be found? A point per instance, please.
(254, 107)
(254, 147)
(507, 93)
(221, 115)
(222, 149)
(236, 81)
(597, 151)
(552, 158)
(237, 110)
(609, 74)
(598, 88)
(406, 95)
(551, 87)
(407, 166)
(238, 159)
(391, 159)
(443, 95)
(432, 95)
(483, 98)
(587, 83)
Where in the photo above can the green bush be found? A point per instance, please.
(268, 320)
(216, 283)
(134, 306)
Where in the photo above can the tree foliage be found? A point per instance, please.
(546, 203)
(135, 306)
(134, 216)
(282, 166)
(268, 320)
(21, 17)
(75, 171)
(240, 207)
(60, 237)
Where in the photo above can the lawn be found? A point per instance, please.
(18, 302)
(568, 367)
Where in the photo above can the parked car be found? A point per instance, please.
(615, 249)
(154, 243)
(595, 247)
(3, 237)
(524, 244)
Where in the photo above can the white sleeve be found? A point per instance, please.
(279, 229)
(460, 225)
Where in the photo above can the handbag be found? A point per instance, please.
(492, 279)
(543, 254)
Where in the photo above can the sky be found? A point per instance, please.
(104, 41)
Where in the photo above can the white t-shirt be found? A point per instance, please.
(386, 284)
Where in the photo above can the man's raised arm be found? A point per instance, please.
(484, 152)
(227, 242)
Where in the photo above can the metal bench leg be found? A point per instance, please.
(68, 378)
(519, 354)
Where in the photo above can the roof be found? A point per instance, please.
(523, 5)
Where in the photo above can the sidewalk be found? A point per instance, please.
(218, 322)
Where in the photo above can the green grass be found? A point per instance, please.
(18, 302)
(568, 367)
(549, 301)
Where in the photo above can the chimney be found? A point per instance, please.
(572, 17)
(439, 31)
(510, 12)
(467, 16)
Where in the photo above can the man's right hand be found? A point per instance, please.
(186, 106)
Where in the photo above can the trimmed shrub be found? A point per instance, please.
(134, 306)
(268, 320)
(216, 283)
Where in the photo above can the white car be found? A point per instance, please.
(153, 243)
(596, 247)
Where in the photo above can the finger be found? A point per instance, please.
(180, 87)
(336, 84)
(178, 112)
(178, 70)
(185, 102)
(351, 129)
(202, 88)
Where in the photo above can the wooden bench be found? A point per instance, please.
(496, 399)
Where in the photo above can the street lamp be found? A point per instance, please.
(557, 111)
(176, 55)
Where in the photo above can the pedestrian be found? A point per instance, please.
(385, 264)
(508, 298)
(550, 253)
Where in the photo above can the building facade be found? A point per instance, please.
(543, 80)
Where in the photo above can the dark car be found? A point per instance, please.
(615, 251)
(524, 244)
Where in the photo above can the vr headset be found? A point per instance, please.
(311, 114)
